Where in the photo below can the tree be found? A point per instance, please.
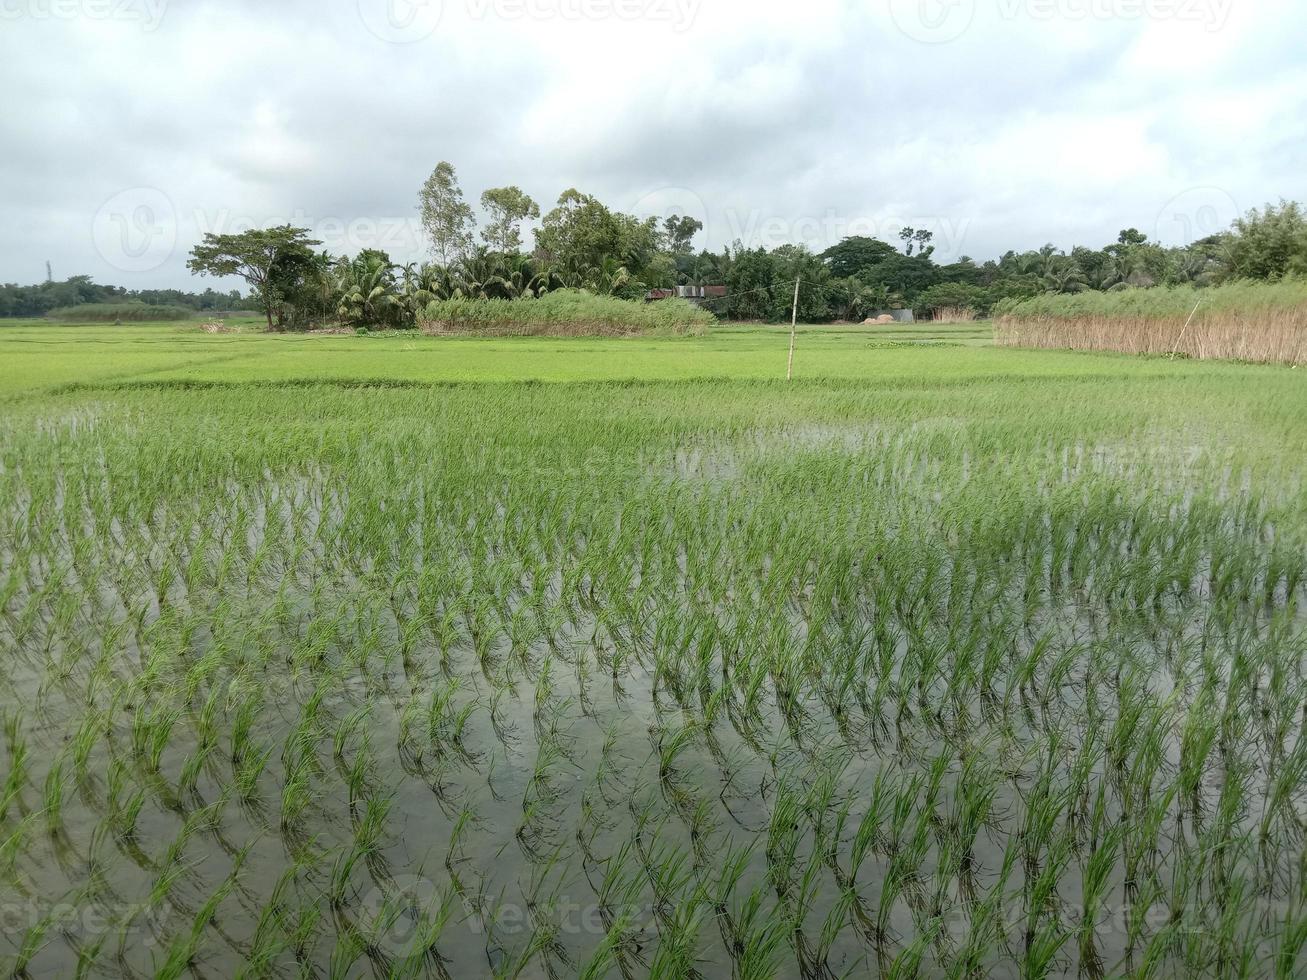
(793, 262)
(750, 279)
(855, 255)
(1269, 244)
(918, 240)
(508, 207)
(446, 217)
(370, 295)
(580, 234)
(954, 296)
(274, 261)
(679, 232)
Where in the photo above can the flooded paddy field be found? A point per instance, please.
(990, 668)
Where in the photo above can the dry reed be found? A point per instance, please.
(1274, 336)
(954, 314)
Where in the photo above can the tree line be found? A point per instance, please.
(581, 243)
(43, 298)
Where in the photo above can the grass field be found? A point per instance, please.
(407, 656)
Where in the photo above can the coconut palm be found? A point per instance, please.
(369, 293)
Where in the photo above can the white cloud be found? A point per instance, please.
(1001, 123)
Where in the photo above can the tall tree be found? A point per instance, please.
(1269, 244)
(857, 254)
(446, 217)
(580, 233)
(508, 207)
(918, 239)
(679, 231)
(275, 261)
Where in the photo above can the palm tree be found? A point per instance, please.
(368, 292)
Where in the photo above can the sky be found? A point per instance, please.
(133, 127)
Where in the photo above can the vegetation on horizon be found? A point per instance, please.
(583, 244)
(564, 311)
(132, 312)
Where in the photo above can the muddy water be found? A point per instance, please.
(550, 728)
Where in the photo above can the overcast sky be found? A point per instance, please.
(131, 127)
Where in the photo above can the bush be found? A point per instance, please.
(566, 312)
(120, 312)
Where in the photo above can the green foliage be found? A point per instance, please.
(679, 232)
(40, 300)
(955, 295)
(508, 207)
(567, 312)
(370, 295)
(856, 255)
(592, 246)
(1269, 244)
(446, 217)
(120, 313)
(278, 263)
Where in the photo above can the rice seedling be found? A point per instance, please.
(912, 677)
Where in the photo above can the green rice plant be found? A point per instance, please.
(915, 641)
(15, 844)
(54, 798)
(253, 762)
(17, 774)
(760, 939)
(181, 955)
(607, 953)
(33, 941)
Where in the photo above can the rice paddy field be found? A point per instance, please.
(413, 656)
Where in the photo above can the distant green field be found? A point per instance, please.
(418, 656)
(42, 355)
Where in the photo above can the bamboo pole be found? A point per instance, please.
(1178, 340)
(794, 326)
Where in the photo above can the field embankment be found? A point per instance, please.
(565, 313)
(1243, 321)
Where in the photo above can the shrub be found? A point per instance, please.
(120, 312)
(566, 312)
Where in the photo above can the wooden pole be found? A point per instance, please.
(1185, 329)
(794, 325)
